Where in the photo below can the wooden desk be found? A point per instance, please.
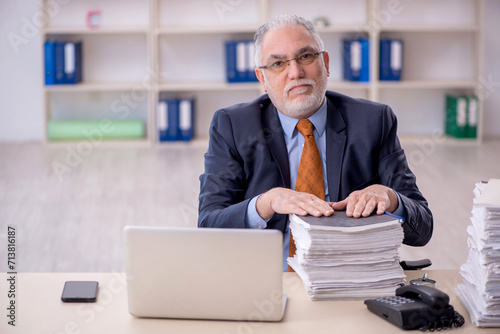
(39, 310)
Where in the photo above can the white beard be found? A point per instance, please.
(307, 104)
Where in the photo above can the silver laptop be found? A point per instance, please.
(204, 273)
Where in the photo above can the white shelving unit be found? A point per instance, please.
(117, 62)
(443, 54)
(145, 49)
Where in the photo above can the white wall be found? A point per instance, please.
(491, 76)
(21, 115)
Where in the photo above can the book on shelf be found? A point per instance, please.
(356, 61)
(340, 257)
(240, 61)
(168, 116)
(72, 62)
(472, 114)
(59, 63)
(63, 62)
(391, 59)
(50, 64)
(480, 289)
(461, 116)
(186, 115)
(175, 119)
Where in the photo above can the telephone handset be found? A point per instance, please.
(417, 306)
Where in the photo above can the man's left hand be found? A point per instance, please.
(364, 202)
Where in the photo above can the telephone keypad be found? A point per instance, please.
(395, 300)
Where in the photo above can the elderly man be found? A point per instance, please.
(300, 149)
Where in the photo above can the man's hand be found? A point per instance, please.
(287, 201)
(363, 202)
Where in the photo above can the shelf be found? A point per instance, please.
(208, 86)
(332, 85)
(196, 142)
(349, 28)
(99, 30)
(106, 143)
(178, 30)
(428, 84)
(224, 86)
(442, 139)
(429, 28)
(86, 87)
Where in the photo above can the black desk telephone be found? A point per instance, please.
(417, 307)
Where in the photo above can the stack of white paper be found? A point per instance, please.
(340, 257)
(480, 290)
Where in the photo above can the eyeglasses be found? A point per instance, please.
(304, 59)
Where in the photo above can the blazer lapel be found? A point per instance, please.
(273, 132)
(335, 145)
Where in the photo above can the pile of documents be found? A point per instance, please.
(480, 290)
(340, 257)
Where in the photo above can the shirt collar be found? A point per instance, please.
(318, 119)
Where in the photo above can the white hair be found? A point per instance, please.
(280, 22)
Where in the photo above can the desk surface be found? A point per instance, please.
(39, 310)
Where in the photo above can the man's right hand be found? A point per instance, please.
(287, 201)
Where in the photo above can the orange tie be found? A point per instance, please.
(310, 175)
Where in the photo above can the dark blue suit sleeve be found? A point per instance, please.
(395, 173)
(221, 201)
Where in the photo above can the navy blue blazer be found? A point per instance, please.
(247, 156)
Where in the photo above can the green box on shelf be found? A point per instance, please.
(472, 115)
(461, 116)
(95, 129)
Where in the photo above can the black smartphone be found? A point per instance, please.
(80, 291)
